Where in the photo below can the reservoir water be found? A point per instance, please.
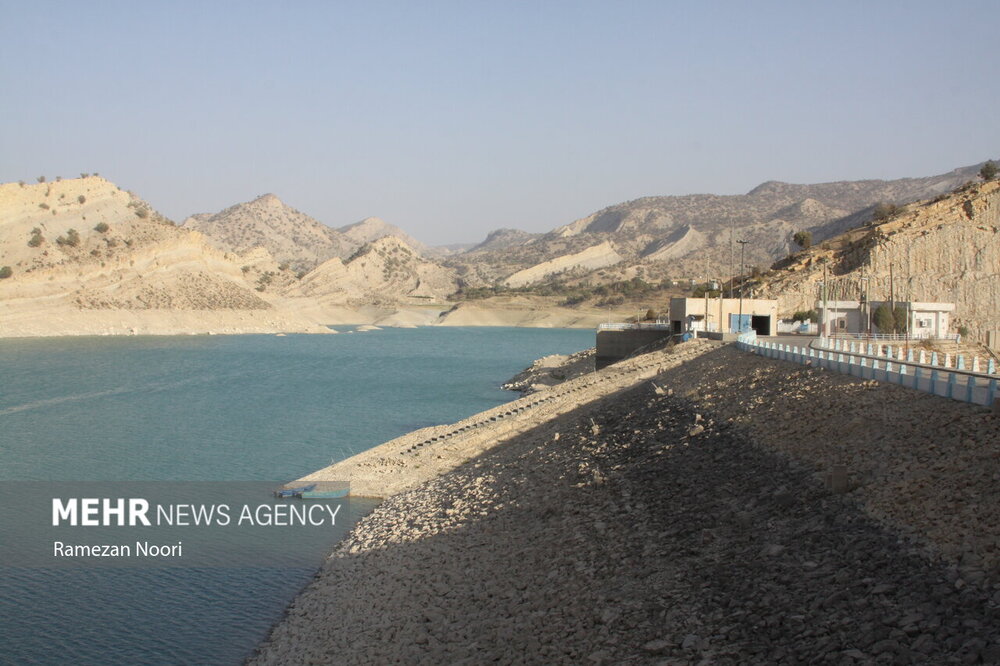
(215, 409)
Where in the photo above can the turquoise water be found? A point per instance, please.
(223, 408)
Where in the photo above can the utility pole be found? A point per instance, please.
(866, 310)
(826, 314)
(732, 232)
(705, 327)
(892, 293)
(743, 244)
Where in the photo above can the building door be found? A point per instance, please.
(739, 324)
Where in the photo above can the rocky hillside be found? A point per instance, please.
(680, 235)
(384, 272)
(290, 236)
(84, 245)
(945, 249)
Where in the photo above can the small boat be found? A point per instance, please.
(324, 494)
(293, 492)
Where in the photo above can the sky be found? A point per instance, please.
(450, 119)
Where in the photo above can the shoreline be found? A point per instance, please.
(419, 456)
(684, 518)
(34, 322)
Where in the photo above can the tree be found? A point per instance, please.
(891, 321)
(901, 318)
(803, 239)
(805, 315)
(882, 316)
(989, 171)
(6, 272)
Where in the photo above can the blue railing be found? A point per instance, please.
(976, 384)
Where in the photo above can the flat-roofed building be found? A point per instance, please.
(724, 315)
(926, 319)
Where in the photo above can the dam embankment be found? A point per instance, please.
(684, 520)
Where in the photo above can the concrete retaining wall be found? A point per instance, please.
(613, 346)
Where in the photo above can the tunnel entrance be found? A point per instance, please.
(761, 324)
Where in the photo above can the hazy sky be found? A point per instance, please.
(450, 119)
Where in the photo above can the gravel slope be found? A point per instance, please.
(688, 525)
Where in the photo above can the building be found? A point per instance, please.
(926, 320)
(723, 315)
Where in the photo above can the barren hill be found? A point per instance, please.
(290, 236)
(85, 246)
(946, 249)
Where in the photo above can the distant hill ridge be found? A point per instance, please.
(689, 235)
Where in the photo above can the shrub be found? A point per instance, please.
(21, 183)
(651, 314)
(41, 179)
(72, 238)
(963, 331)
(989, 171)
(84, 175)
(883, 211)
(805, 315)
(102, 227)
(43, 206)
(36, 238)
(141, 212)
(803, 239)
(6, 272)
(82, 199)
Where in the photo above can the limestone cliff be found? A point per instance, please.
(947, 249)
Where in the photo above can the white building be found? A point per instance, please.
(926, 320)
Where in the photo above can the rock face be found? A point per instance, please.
(944, 250)
(290, 236)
